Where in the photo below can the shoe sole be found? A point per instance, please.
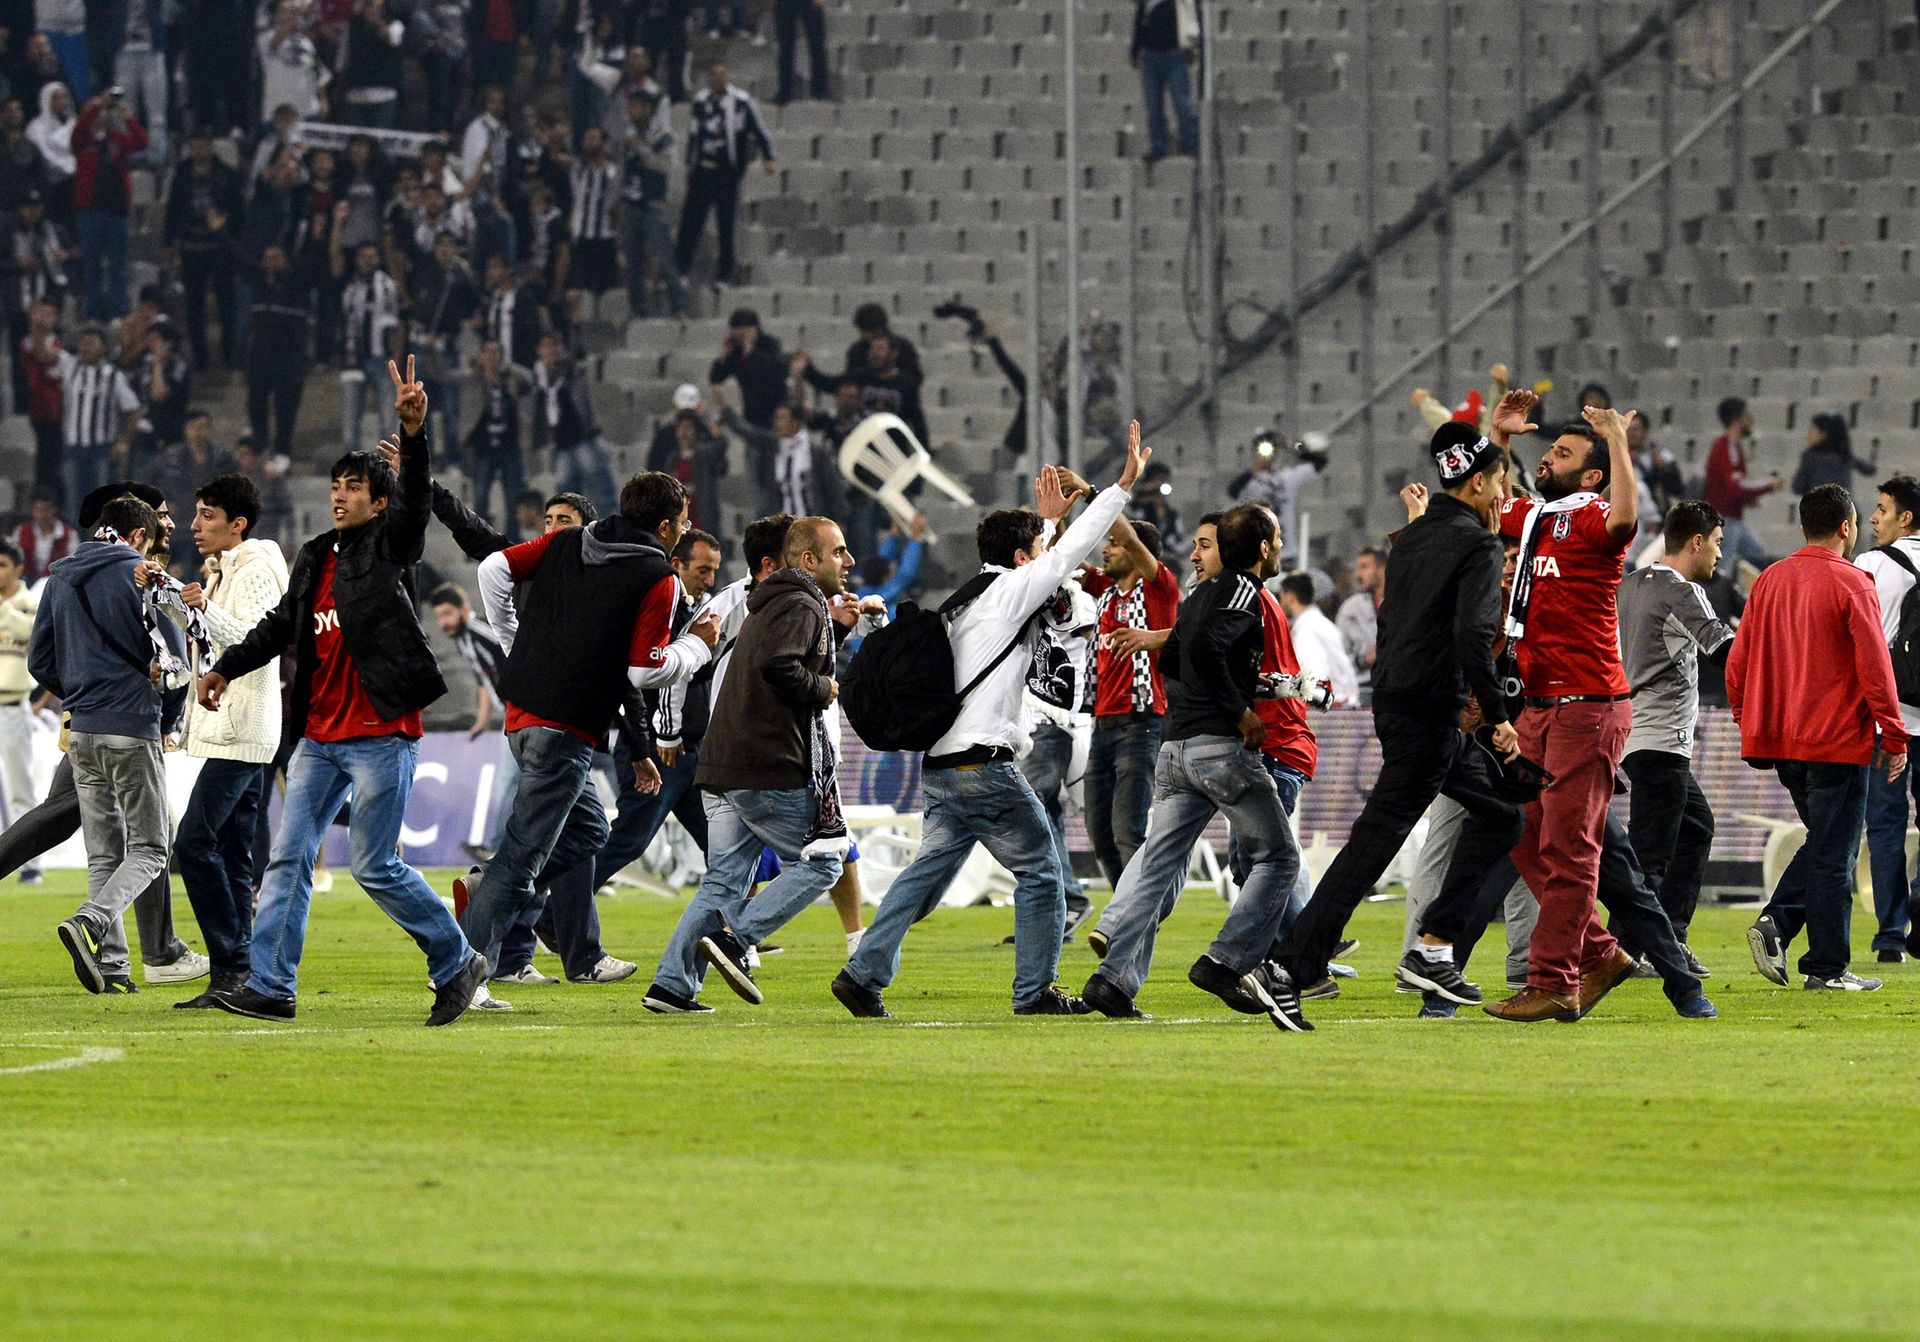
(1762, 961)
(1285, 1022)
(736, 978)
(541, 981)
(161, 976)
(460, 898)
(621, 977)
(845, 995)
(85, 967)
(1564, 1017)
(1434, 986)
(1097, 943)
(231, 1009)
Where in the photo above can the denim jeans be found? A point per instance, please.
(1816, 889)
(123, 818)
(377, 771)
(556, 823)
(1887, 817)
(1501, 893)
(1195, 780)
(990, 804)
(1287, 782)
(355, 391)
(103, 264)
(213, 850)
(1163, 75)
(739, 824)
(641, 816)
(1046, 766)
(143, 74)
(584, 469)
(1120, 769)
(645, 234)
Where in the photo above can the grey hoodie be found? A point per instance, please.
(94, 663)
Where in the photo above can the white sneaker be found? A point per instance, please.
(486, 1001)
(186, 969)
(322, 882)
(753, 957)
(526, 975)
(607, 970)
(853, 939)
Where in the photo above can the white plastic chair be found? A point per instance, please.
(882, 458)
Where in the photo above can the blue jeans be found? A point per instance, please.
(739, 824)
(1816, 889)
(1887, 817)
(103, 264)
(1163, 75)
(1287, 782)
(1195, 779)
(354, 394)
(584, 469)
(1045, 766)
(556, 823)
(641, 816)
(1120, 766)
(213, 849)
(992, 805)
(377, 771)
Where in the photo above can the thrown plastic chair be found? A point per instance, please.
(881, 457)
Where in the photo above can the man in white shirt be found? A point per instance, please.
(17, 607)
(1317, 642)
(1359, 618)
(1893, 562)
(973, 793)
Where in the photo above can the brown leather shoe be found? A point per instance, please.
(1613, 971)
(1530, 1004)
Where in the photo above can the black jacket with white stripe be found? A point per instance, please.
(1212, 658)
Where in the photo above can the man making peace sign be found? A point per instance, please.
(363, 672)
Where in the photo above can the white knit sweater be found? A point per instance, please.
(247, 582)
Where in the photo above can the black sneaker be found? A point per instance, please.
(1913, 940)
(860, 1001)
(1342, 949)
(1892, 957)
(1438, 977)
(118, 984)
(1053, 1002)
(1239, 991)
(1104, 996)
(1277, 983)
(1643, 969)
(1769, 951)
(1324, 991)
(1841, 983)
(1097, 943)
(244, 1001)
(84, 947)
(768, 948)
(452, 998)
(221, 983)
(666, 1002)
(724, 952)
(1694, 967)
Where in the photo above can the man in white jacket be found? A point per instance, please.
(17, 607)
(213, 847)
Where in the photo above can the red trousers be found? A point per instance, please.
(1559, 855)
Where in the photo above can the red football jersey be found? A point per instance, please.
(1289, 739)
(1572, 642)
(1134, 684)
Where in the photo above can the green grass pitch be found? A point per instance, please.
(582, 1170)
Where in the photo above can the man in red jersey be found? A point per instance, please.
(1562, 616)
(1134, 591)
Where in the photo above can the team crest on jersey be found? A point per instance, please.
(1562, 525)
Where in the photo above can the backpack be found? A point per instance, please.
(898, 694)
(1905, 648)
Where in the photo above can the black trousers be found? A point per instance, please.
(789, 15)
(203, 273)
(665, 39)
(49, 453)
(57, 819)
(274, 394)
(1421, 757)
(715, 190)
(1671, 827)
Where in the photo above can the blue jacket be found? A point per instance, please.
(92, 664)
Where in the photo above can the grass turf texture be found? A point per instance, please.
(581, 1169)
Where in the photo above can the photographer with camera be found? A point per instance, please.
(1278, 475)
(105, 138)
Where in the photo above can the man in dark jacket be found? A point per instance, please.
(767, 772)
(362, 673)
(752, 358)
(606, 594)
(91, 647)
(1437, 625)
(278, 334)
(203, 227)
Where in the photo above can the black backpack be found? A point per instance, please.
(898, 694)
(1905, 647)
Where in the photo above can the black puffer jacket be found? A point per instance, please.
(373, 593)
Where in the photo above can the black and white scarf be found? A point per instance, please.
(163, 592)
(827, 835)
(1522, 600)
(1131, 613)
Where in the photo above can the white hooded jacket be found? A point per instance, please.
(244, 584)
(53, 135)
